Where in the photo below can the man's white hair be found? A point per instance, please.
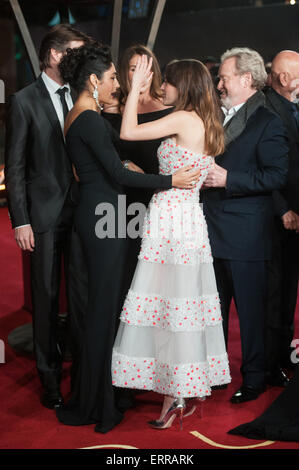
(248, 60)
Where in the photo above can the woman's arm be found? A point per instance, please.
(17, 131)
(96, 135)
(166, 126)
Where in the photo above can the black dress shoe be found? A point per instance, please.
(278, 378)
(246, 393)
(219, 387)
(52, 400)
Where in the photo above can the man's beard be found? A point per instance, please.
(226, 102)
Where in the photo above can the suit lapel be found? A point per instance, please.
(59, 163)
(284, 114)
(49, 108)
(235, 126)
(238, 123)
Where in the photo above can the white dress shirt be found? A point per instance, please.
(229, 113)
(52, 87)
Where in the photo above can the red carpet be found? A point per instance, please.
(25, 424)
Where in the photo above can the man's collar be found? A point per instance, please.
(51, 85)
(232, 111)
(284, 100)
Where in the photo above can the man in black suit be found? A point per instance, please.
(41, 198)
(281, 98)
(238, 207)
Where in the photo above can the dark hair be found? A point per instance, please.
(78, 64)
(59, 38)
(124, 65)
(196, 92)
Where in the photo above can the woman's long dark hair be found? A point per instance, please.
(196, 91)
(124, 66)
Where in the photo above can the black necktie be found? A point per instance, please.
(61, 92)
(295, 111)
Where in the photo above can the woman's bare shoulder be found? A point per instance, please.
(188, 117)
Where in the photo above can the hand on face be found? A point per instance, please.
(147, 85)
(142, 75)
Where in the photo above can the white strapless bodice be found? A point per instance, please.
(174, 229)
(171, 158)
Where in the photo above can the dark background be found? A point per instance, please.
(189, 28)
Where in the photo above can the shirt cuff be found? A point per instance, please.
(26, 225)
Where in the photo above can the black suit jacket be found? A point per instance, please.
(239, 217)
(288, 197)
(38, 172)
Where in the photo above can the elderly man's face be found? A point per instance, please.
(285, 74)
(232, 86)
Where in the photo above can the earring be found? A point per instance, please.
(96, 97)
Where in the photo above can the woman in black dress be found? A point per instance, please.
(140, 155)
(89, 141)
(280, 422)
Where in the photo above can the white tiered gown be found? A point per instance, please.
(170, 339)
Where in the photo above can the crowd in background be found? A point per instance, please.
(250, 200)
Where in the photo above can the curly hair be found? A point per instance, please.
(78, 64)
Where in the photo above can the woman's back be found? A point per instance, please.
(80, 152)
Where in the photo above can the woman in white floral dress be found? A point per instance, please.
(170, 338)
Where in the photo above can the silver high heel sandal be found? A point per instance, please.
(176, 410)
(192, 404)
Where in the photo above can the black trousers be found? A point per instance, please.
(246, 283)
(283, 272)
(60, 244)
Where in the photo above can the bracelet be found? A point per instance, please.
(126, 163)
